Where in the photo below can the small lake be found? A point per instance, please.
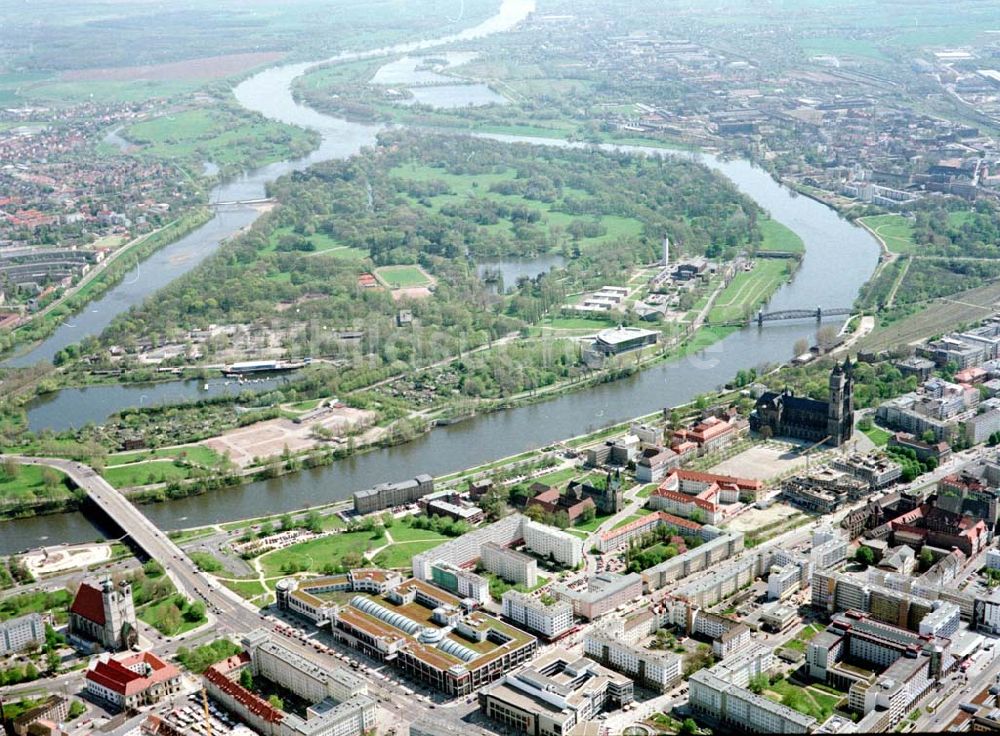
(512, 269)
(418, 75)
(72, 408)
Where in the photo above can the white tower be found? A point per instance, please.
(666, 252)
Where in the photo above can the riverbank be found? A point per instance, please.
(92, 286)
(832, 246)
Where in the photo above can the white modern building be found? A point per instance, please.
(657, 670)
(511, 565)
(20, 633)
(550, 620)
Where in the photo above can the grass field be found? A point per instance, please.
(777, 237)
(878, 435)
(193, 453)
(140, 474)
(402, 277)
(403, 533)
(592, 525)
(29, 485)
(399, 555)
(748, 290)
(558, 477)
(647, 490)
(895, 230)
(316, 553)
(808, 700)
(322, 244)
(939, 316)
(219, 135)
(154, 613)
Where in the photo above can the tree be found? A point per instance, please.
(195, 612)
(688, 727)
(758, 683)
(76, 709)
(52, 662)
(276, 702)
(864, 556)
(11, 468)
(246, 678)
(926, 558)
(535, 512)
(801, 347)
(827, 337)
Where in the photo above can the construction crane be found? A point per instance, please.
(208, 717)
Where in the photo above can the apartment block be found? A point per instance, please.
(550, 620)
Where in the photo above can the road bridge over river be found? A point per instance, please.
(229, 610)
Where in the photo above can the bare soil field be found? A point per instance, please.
(270, 438)
(761, 462)
(210, 67)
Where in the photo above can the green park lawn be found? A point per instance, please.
(748, 290)
(400, 554)
(895, 230)
(28, 484)
(316, 553)
(140, 474)
(191, 453)
(777, 237)
(878, 435)
(154, 615)
(402, 277)
(809, 700)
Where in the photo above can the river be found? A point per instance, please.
(839, 259)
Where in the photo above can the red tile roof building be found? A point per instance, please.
(132, 681)
(688, 493)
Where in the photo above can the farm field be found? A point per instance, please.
(936, 317)
(748, 290)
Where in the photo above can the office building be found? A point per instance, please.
(554, 694)
(432, 636)
(510, 531)
(387, 495)
(132, 681)
(721, 692)
(338, 703)
(603, 594)
(655, 670)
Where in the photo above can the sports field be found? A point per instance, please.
(403, 277)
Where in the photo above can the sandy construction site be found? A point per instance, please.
(271, 437)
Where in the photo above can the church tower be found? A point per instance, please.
(840, 412)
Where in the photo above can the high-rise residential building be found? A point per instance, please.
(549, 619)
(20, 633)
(511, 565)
